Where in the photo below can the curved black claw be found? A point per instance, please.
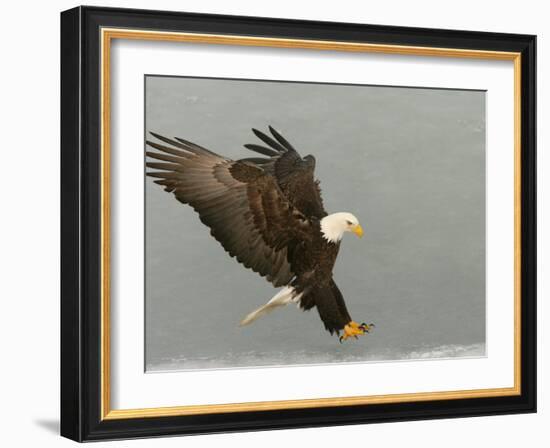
(366, 327)
(341, 338)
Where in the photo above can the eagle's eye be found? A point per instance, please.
(349, 222)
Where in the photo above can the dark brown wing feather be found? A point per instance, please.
(294, 174)
(242, 204)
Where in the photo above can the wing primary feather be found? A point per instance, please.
(269, 141)
(165, 157)
(196, 147)
(176, 152)
(164, 174)
(168, 140)
(170, 184)
(283, 141)
(164, 166)
(185, 145)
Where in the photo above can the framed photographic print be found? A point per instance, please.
(273, 223)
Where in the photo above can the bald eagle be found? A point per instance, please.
(267, 212)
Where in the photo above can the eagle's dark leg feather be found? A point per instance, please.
(340, 301)
(365, 328)
(327, 305)
(333, 311)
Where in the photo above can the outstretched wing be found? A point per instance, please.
(241, 203)
(294, 174)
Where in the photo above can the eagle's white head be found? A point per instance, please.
(334, 226)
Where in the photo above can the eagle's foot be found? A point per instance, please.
(367, 328)
(354, 329)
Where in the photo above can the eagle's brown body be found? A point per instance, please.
(265, 212)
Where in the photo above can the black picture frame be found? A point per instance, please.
(81, 224)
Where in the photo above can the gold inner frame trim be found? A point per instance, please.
(107, 35)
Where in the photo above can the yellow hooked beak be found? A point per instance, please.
(358, 230)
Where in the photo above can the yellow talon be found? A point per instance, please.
(354, 329)
(351, 330)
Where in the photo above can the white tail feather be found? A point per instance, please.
(282, 298)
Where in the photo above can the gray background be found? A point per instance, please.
(409, 163)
